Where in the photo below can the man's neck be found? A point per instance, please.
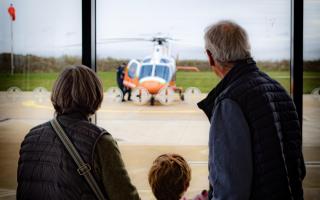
(223, 71)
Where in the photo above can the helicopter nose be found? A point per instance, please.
(152, 86)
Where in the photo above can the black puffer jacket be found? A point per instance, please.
(274, 126)
(47, 171)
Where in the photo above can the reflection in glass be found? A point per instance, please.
(132, 70)
(162, 71)
(178, 128)
(45, 38)
(311, 100)
(146, 70)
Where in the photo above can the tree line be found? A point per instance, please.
(33, 63)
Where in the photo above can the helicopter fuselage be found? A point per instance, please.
(154, 72)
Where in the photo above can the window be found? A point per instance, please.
(44, 38)
(180, 128)
(39, 44)
(162, 71)
(132, 70)
(163, 60)
(311, 96)
(146, 60)
(146, 70)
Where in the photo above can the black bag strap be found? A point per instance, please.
(84, 169)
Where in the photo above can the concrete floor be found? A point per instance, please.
(142, 132)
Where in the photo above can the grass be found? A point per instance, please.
(205, 81)
(27, 82)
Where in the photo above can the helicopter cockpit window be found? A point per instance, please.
(162, 71)
(132, 70)
(146, 60)
(146, 70)
(163, 60)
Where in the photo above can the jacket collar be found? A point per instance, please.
(240, 68)
(73, 116)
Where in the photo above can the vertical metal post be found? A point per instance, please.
(12, 64)
(89, 38)
(89, 33)
(297, 55)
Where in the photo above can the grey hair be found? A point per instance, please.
(227, 42)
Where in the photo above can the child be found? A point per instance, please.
(169, 177)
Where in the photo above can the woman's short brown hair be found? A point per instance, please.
(77, 89)
(169, 177)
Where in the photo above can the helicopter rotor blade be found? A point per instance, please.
(137, 39)
(107, 40)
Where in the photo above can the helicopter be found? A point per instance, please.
(154, 77)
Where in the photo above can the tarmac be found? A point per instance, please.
(143, 133)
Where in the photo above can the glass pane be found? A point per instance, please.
(146, 70)
(145, 131)
(163, 60)
(146, 60)
(311, 97)
(162, 71)
(132, 70)
(44, 38)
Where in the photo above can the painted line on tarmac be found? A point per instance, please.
(313, 164)
(144, 191)
(149, 111)
(33, 104)
(193, 162)
(4, 119)
(7, 193)
(308, 163)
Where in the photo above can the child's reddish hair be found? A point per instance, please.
(169, 177)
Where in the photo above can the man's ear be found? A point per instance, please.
(210, 57)
(186, 185)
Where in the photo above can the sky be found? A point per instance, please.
(53, 28)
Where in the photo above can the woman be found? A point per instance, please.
(47, 171)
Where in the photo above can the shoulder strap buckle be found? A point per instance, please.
(84, 169)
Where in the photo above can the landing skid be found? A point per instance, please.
(152, 101)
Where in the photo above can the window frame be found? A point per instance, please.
(296, 48)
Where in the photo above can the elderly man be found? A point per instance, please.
(255, 138)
